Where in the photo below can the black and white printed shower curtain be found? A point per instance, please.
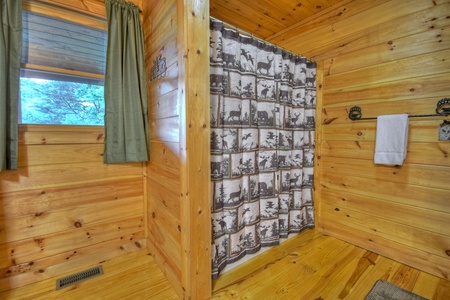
(262, 144)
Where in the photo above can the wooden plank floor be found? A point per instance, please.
(309, 266)
(313, 266)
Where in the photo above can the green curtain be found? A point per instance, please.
(10, 54)
(126, 125)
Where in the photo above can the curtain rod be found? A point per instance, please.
(243, 32)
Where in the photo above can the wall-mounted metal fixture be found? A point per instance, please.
(442, 110)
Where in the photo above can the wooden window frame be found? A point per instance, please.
(62, 11)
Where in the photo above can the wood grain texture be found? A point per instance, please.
(315, 266)
(163, 205)
(193, 54)
(64, 208)
(132, 276)
(387, 57)
(269, 17)
(309, 266)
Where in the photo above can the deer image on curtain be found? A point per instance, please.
(262, 144)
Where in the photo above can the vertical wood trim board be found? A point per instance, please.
(193, 43)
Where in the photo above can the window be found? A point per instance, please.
(62, 76)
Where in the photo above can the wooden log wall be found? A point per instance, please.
(387, 57)
(176, 38)
(64, 208)
(164, 212)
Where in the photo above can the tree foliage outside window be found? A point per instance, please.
(46, 101)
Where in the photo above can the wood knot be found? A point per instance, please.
(447, 252)
(78, 224)
(337, 209)
(138, 244)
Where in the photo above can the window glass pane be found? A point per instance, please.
(49, 98)
(58, 43)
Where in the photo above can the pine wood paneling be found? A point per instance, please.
(35, 155)
(390, 191)
(424, 175)
(165, 130)
(308, 266)
(418, 153)
(45, 134)
(42, 223)
(435, 62)
(431, 20)
(41, 177)
(166, 153)
(388, 57)
(433, 86)
(337, 32)
(135, 275)
(268, 17)
(178, 202)
(164, 186)
(57, 265)
(18, 203)
(40, 246)
(165, 106)
(64, 208)
(195, 144)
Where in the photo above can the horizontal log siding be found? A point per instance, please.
(64, 208)
(388, 57)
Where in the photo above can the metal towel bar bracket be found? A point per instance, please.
(442, 109)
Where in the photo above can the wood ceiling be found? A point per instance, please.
(264, 18)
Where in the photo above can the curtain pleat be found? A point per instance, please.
(10, 54)
(262, 144)
(126, 124)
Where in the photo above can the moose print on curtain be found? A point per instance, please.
(262, 144)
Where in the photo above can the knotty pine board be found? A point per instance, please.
(414, 195)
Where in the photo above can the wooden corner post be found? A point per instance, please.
(193, 51)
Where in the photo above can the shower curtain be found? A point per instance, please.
(262, 144)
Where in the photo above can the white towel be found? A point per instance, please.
(391, 139)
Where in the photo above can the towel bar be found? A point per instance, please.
(442, 109)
